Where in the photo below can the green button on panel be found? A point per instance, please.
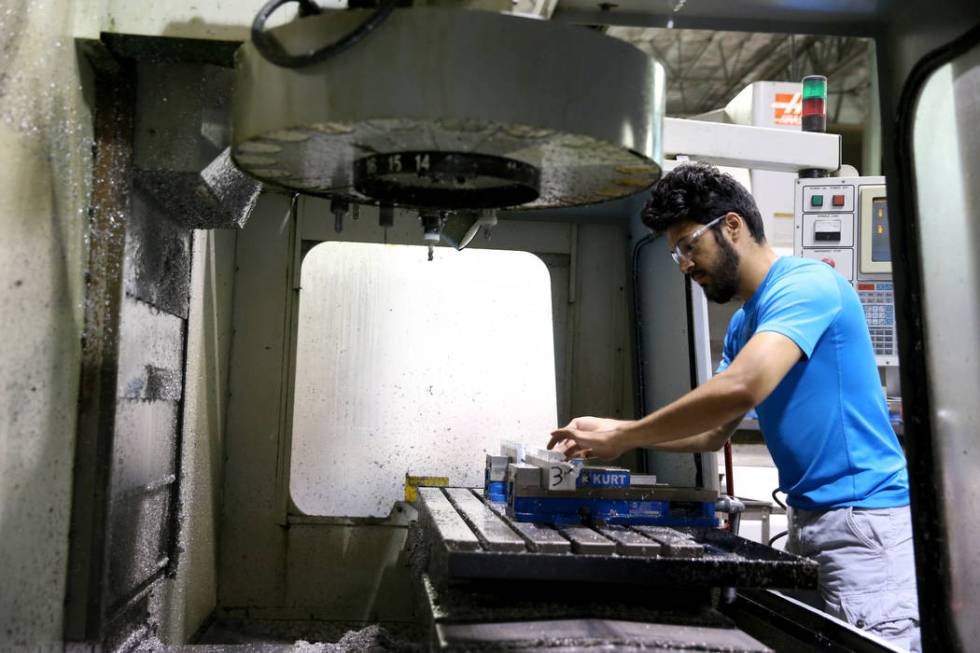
(816, 200)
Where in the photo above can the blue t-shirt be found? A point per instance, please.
(826, 423)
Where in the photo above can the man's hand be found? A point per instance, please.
(590, 436)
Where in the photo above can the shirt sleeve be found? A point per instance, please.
(801, 305)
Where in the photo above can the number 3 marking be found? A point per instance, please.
(557, 475)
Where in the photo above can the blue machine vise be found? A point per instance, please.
(541, 486)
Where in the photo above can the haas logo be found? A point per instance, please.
(787, 109)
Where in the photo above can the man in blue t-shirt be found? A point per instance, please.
(798, 351)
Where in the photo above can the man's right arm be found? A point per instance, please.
(712, 440)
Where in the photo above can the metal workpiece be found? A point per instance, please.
(513, 450)
(464, 538)
(448, 109)
(497, 467)
(561, 474)
(524, 475)
(556, 474)
(542, 453)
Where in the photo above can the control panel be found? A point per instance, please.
(843, 221)
(879, 310)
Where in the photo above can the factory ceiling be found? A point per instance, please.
(706, 69)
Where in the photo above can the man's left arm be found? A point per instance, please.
(759, 367)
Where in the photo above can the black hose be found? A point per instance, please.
(777, 536)
(273, 51)
(638, 321)
(784, 533)
(776, 499)
(693, 371)
(641, 402)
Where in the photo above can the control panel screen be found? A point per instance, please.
(880, 247)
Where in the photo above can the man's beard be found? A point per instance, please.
(724, 276)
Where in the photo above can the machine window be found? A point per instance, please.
(405, 366)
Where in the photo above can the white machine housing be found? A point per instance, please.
(843, 221)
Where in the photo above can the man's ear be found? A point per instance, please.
(736, 225)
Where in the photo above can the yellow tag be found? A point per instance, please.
(412, 483)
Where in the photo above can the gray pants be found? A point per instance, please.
(867, 568)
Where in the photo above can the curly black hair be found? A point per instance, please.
(699, 192)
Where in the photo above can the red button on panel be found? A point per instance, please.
(838, 200)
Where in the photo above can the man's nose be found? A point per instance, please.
(686, 265)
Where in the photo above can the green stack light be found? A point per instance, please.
(814, 116)
(814, 86)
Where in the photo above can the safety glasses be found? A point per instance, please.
(685, 246)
